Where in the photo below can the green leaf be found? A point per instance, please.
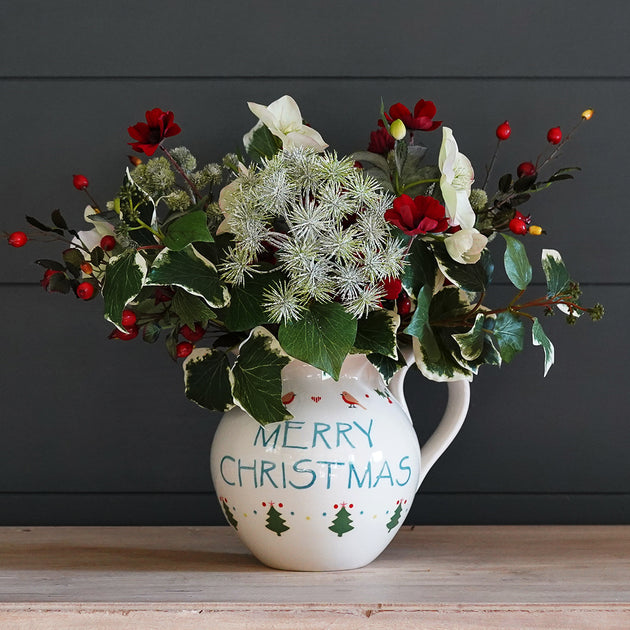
(508, 334)
(263, 144)
(419, 326)
(191, 309)
(190, 228)
(257, 374)
(517, 265)
(413, 173)
(442, 368)
(421, 269)
(386, 366)
(97, 255)
(377, 333)
(189, 270)
(123, 281)
(401, 150)
(207, 379)
(59, 283)
(524, 183)
(540, 339)
(134, 204)
(245, 310)
(375, 159)
(73, 256)
(322, 338)
(151, 332)
(555, 272)
(58, 220)
(471, 343)
(474, 277)
(505, 183)
(44, 228)
(50, 264)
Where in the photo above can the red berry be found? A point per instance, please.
(45, 281)
(192, 335)
(131, 333)
(392, 288)
(525, 169)
(108, 243)
(518, 226)
(17, 239)
(184, 348)
(504, 130)
(404, 305)
(85, 290)
(554, 135)
(128, 318)
(80, 182)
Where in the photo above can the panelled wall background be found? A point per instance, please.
(95, 431)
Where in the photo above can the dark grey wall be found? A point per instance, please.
(93, 431)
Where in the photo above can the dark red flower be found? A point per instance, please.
(381, 141)
(418, 216)
(422, 118)
(148, 135)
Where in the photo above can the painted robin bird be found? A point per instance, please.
(288, 398)
(351, 400)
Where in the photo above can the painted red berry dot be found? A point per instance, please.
(80, 182)
(264, 504)
(405, 500)
(335, 506)
(351, 506)
(554, 135)
(85, 290)
(367, 395)
(108, 243)
(404, 305)
(17, 239)
(397, 502)
(280, 505)
(128, 318)
(183, 349)
(525, 169)
(518, 226)
(192, 335)
(504, 130)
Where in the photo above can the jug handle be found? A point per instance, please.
(450, 424)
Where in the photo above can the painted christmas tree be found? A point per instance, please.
(341, 523)
(275, 522)
(393, 521)
(228, 514)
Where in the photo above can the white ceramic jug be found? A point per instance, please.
(328, 489)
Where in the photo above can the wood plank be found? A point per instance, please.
(326, 38)
(86, 140)
(458, 577)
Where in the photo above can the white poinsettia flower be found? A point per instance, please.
(456, 181)
(466, 245)
(284, 120)
(92, 238)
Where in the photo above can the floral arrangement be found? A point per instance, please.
(298, 253)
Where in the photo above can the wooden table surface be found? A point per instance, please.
(203, 577)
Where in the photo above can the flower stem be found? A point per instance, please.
(555, 152)
(492, 161)
(180, 170)
(417, 183)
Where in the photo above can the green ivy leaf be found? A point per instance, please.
(191, 309)
(517, 265)
(207, 379)
(471, 343)
(135, 203)
(263, 144)
(474, 277)
(322, 338)
(419, 326)
(123, 281)
(508, 334)
(539, 338)
(245, 310)
(555, 272)
(377, 333)
(190, 228)
(421, 269)
(192, 272)
(257, 384)
(386, 366)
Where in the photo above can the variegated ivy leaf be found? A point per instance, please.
(539, 338)
(421, 268)
(208, 379)
(508, 335)
(191, 271)
(474, 277)
(419, 326)
(386, 366)
(471, 342)
(123, 281)
(191, 309)
(322, 337)
(555, 272)
(377, 333)
(257, 381)
(444, 369)
(192, 227)
(517, 265)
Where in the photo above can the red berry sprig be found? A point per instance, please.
(17, 239)
(183, 349)
(108, 243)
(554, 135)
(85, 290)
(504, 130)
(130, 333)
(192, 335)
(80, 182)
(526, 169)
(128, 318)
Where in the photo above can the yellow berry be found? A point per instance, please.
(587, 114)
(397, 129)
(535, 230)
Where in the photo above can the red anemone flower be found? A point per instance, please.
(422, 118)
(418, 216)
(148, 135)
